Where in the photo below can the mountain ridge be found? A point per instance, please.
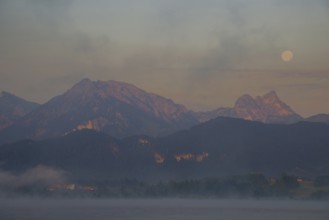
(320, 118)
(267, 108)
(122, 109)
(218, 147)
(117, 108)
(12, 108)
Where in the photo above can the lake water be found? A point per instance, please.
(126, 209)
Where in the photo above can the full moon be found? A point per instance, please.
(287, 55)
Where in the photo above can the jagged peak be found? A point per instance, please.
(116, 82)
(82, 83)
(271, 95)
(86, 82)
(113, 88)
(245, 97)
(121, 85)
(242, 100)
(88, 91)
(105, 82)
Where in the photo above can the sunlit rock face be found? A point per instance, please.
(248, 108)
(268, 109)
(189, 156)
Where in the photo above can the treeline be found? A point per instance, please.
(239, 186)
(251, 185)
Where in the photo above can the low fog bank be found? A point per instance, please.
(30, 181)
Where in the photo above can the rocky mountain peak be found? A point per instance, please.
(113, 107)
(248, 108)
(269, 98)
(245, 100)
(271, 95)
(267, 108)
(104, 91)
(84, 81)
(274, 105)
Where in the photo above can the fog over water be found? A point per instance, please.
(103, 209)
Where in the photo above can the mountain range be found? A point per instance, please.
(221, 146)
(111, 129)
(121, 110)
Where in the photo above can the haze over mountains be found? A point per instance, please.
(121, 109)
(98, 128)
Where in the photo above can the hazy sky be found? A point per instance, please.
(201, 53)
